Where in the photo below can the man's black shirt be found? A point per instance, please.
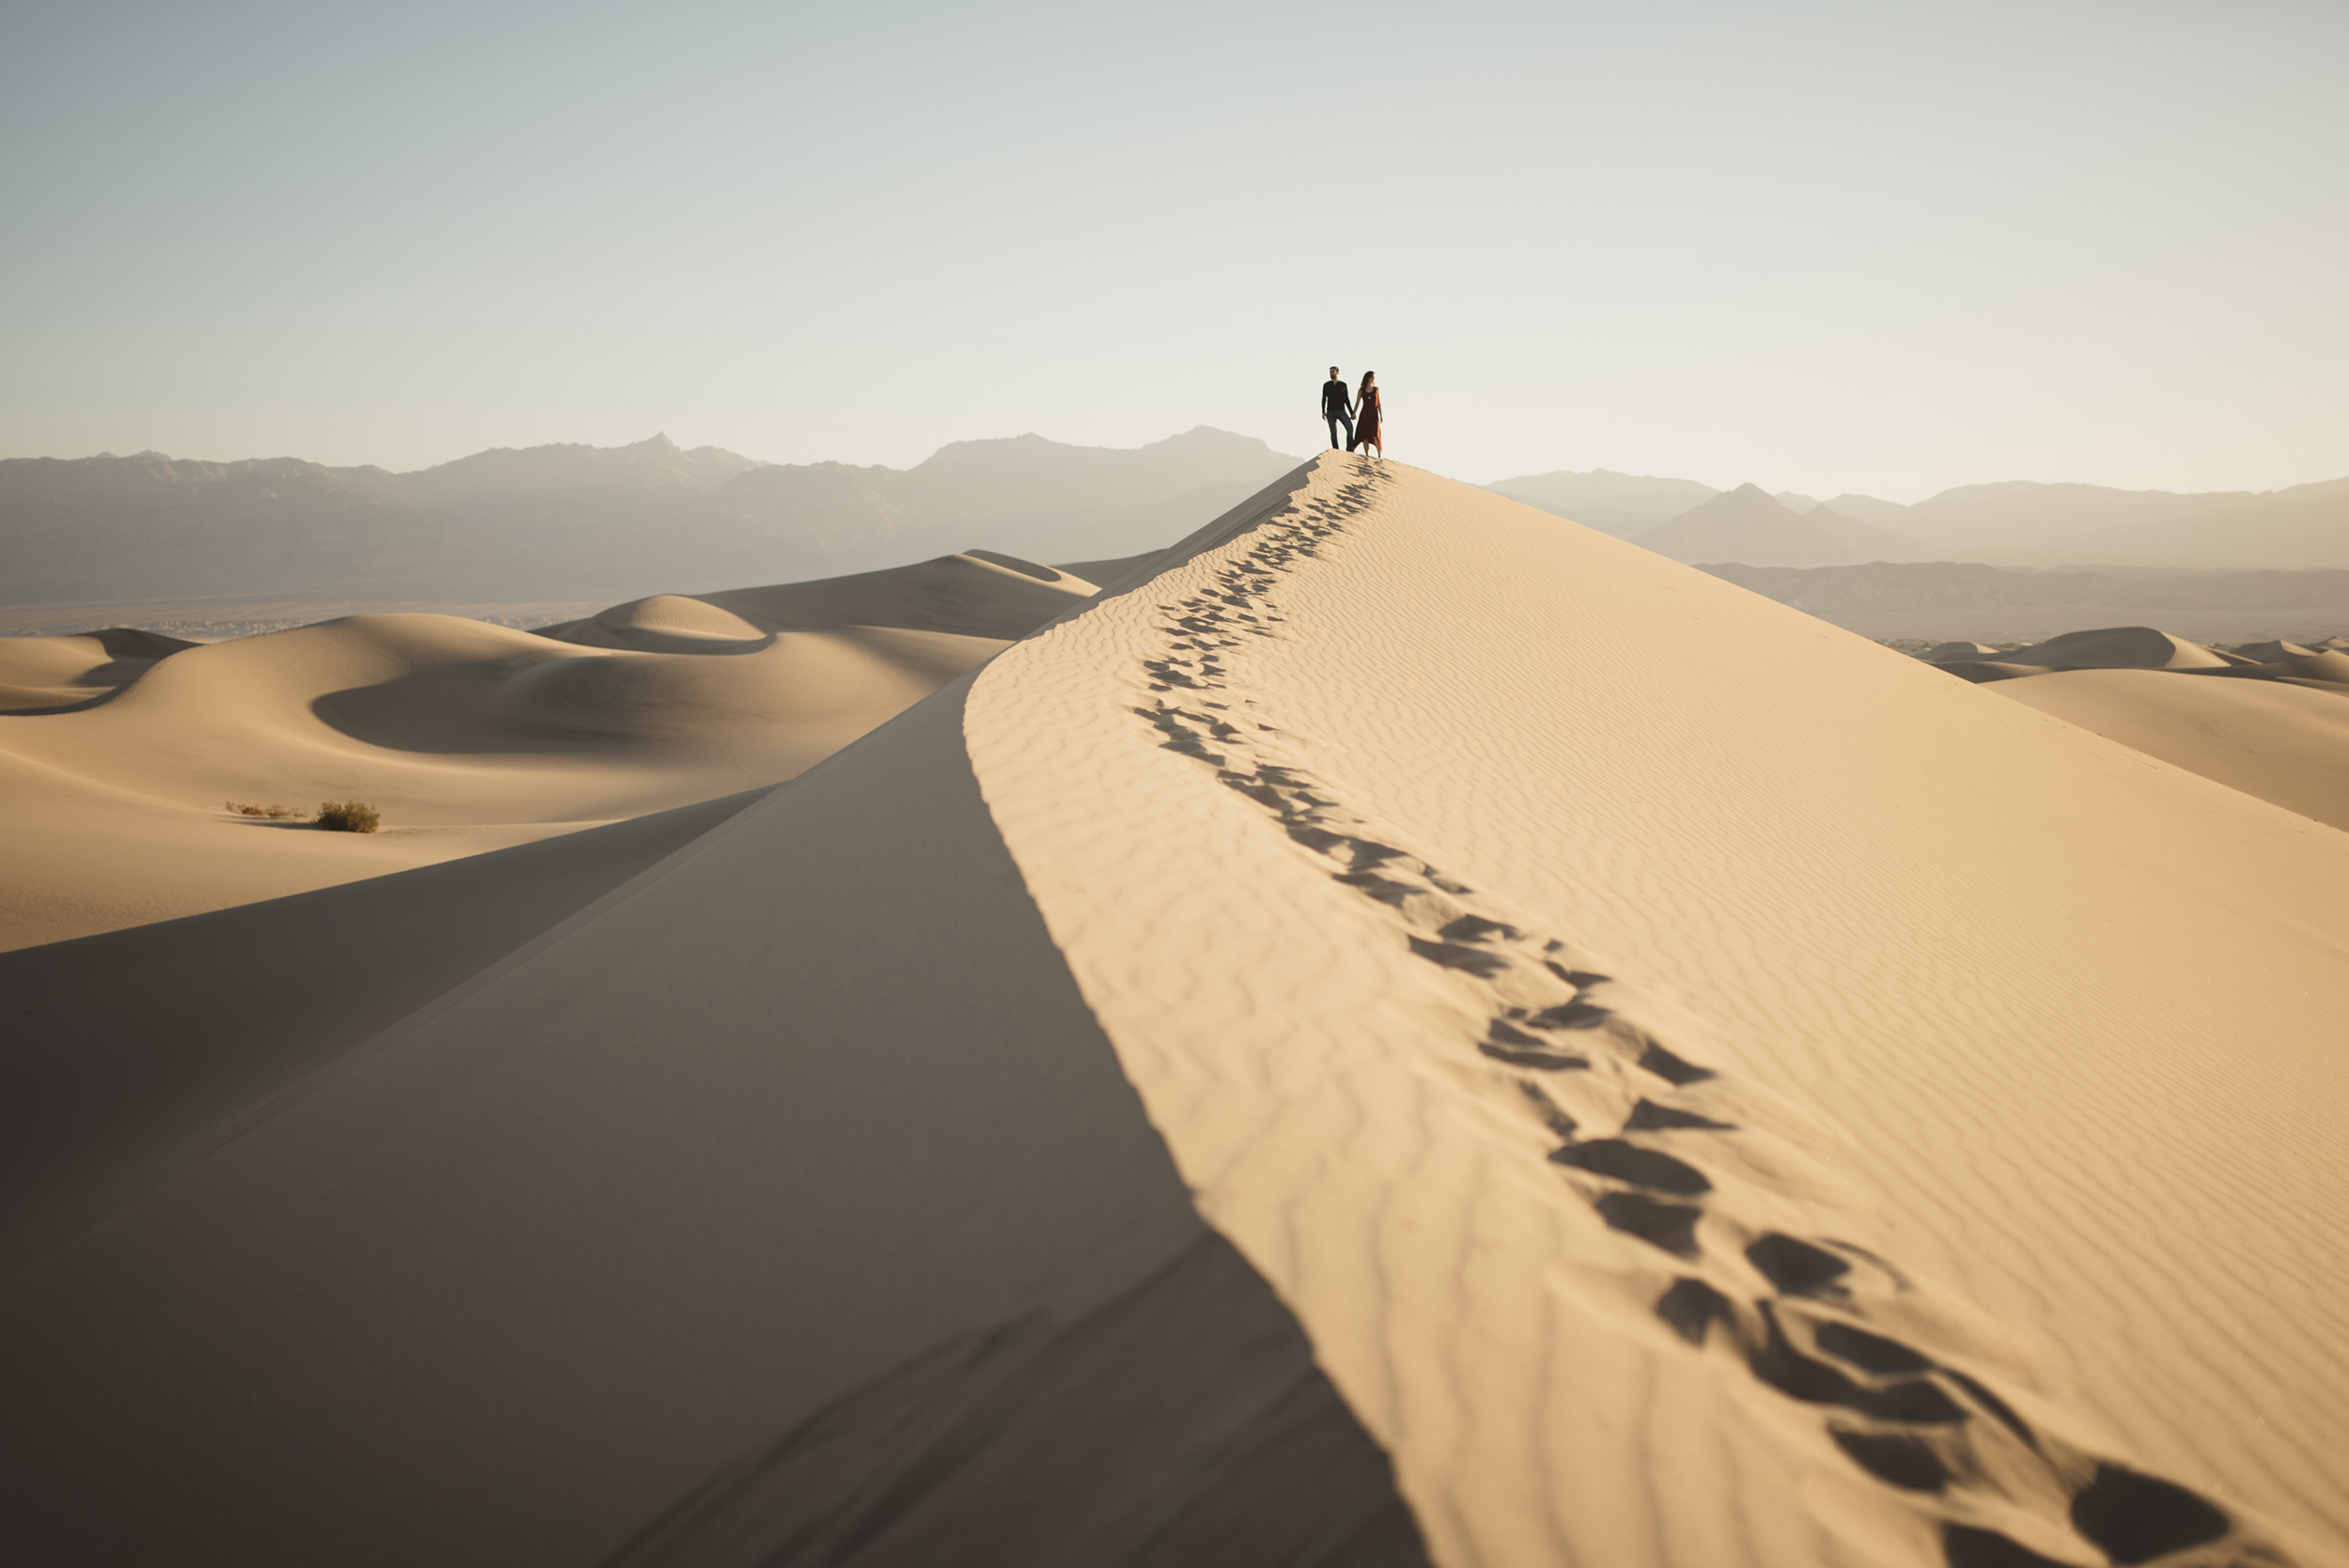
(1335, 401)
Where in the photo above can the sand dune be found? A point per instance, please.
(2282, 741)
(467, 736)
(45, 675)
(2122, 647)
(2264, 718)
(1332, 1054)
(111, 1081)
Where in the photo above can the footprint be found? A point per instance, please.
(1796, 1267)
(1629, 1162)
(2136, 1518)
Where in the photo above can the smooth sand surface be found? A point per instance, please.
(2284, 741)
(1344, 1018)
(134, 1051)
(467, 736)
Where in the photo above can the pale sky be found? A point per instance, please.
(1877, 247)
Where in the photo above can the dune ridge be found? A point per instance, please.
(1606, 1116)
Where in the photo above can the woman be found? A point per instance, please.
(1370, 419)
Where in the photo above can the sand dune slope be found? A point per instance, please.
(466, 735)
(792, 1197)
(131, 1051)
(2122, 647)
(977, 593)
(1342, 1018)
(42, 674)
(1704, 1118)
(2279, 740)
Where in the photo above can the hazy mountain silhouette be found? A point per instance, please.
(2304, 525)
(1618, 504)
(1026, 495)
(1869, 508)
(1831, 591)
(1749, 525)
(577, 521)
(2018, 521)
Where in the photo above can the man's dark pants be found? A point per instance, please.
(1339, 422)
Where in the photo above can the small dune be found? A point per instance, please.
(467, 736)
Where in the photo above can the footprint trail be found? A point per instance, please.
(1672, 1153)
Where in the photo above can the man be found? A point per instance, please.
(1338, 409)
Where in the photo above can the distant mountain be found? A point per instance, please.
(154, 526)
(1749, 525)
(655, 467)
(1829, 592)
(1025, 495)
(1867, 509)
(2016, 521)
(1618, 504)
(2305, 525)
(579, 521)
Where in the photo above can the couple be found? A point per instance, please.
(1361, 418)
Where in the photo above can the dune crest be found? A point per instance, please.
(1500, 992)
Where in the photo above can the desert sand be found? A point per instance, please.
(121, 751)
(1400, 1032)
(2269, 718)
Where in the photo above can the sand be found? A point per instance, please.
(131, 1043)
(467, 736)
(1988, 998)
(1357, 1046)
(2283, 742)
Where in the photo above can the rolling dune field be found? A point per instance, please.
(1398, 1031)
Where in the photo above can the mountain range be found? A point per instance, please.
(566, 520)
(1751, 526)
(2017, 522)
(577, 521)
(1834, 593)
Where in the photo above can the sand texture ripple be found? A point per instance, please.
(1695, 1117)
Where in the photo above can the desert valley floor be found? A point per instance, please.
(1399, 1030)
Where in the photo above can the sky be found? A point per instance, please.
(1876, 247)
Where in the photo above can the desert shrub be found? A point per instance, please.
(349, 816)
(273, 812)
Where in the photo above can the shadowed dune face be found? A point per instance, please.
(124, 747)
(2121, 647)
(105, 1084)
(788, 1198)
(42, 674)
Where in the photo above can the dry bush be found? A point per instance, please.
(349, 816)
(273, 812)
